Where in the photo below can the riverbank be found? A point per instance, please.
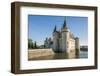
(48, 54)
(37, 53)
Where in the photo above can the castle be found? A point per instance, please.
(63, 40)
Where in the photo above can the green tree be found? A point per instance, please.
(30, 44)
(35, 45)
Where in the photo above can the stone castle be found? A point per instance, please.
(63, 40)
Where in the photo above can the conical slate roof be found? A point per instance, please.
(65, 25)
(55, 29)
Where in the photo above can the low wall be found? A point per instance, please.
(33, 53)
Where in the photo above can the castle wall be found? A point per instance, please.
(60, 43)
(71, 45)
(55, 42)
(67, 41)
(35, 53)
(64, 41)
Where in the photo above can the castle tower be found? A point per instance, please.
(46, 43)
(65, 37)
(55, 40)
(77, 45)
(49, 42)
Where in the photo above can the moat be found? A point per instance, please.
(82, 54)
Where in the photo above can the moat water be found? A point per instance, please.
(82, 54)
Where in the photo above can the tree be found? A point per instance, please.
(30, 44)
(35, 45)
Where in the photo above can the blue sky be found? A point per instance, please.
(40, 27)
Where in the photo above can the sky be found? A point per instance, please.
(40, 27)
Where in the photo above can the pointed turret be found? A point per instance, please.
(65, 25)
(55, 29)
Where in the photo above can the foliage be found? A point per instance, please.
(32, 45)
(35, 45)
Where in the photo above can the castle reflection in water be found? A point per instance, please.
(82, 54)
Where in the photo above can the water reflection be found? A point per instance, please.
(72, 55)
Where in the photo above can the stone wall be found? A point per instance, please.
(33, 53)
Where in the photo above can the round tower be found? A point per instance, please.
(65, 37)
(77, 45)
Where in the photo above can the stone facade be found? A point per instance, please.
(63, 40)
(36, 53)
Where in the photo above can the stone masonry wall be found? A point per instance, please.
(33, 53)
